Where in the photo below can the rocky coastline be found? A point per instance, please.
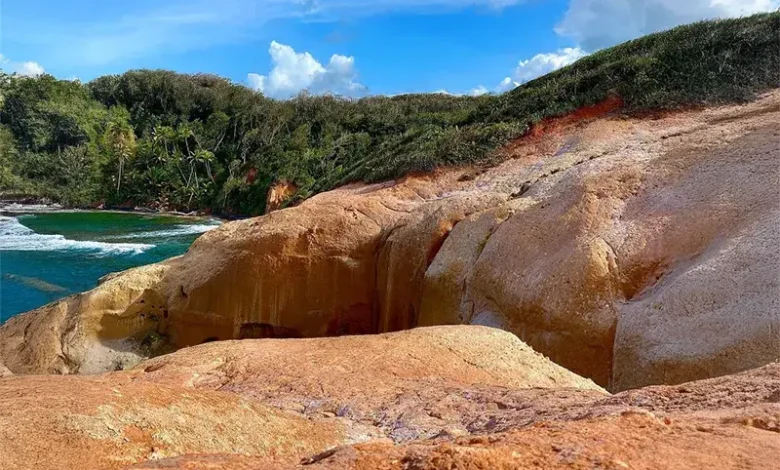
(607, 297)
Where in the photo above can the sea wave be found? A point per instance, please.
(16, 237)
(176, 231)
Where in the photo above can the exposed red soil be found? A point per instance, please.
(536, 141)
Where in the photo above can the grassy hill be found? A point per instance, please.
(158, 138)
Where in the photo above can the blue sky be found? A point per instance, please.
(352, 47)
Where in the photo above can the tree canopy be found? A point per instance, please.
(161, 139)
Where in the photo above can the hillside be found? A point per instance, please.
(166, 140)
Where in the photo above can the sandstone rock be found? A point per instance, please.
(279, 194)
(654, 248)
(713, 306)
(111, 421)
(637, 441)
(99, 330)
(411, 248)
(4, 371)
(729, 422)
(282, 400)
(442, 299)
(628, 250)
(211, 462)
(411, 384)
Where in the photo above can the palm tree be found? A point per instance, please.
(121, 138)
(205, 158)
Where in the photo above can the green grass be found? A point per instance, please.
(705, 63)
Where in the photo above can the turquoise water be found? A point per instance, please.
(47, 256)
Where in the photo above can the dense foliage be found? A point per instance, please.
(157, 138)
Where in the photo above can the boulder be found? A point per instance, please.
(409, 385)
(712, 303)
(649, 259)
(104, 329)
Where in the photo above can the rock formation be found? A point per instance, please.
(630, 250)
(111, 421)
(410, 385)
(729, 422)
(279, 194)
(279, 400)
(434, 398)
(269, 404)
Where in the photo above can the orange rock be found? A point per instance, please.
(729, 422)
(407, 385)
(628, 250)
(280, 193)
(112, 421)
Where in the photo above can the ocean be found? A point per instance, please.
(46, 256)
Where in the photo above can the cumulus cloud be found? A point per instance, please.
(297, 71)
(27, 69)
(538, 65)
(479, 91)
(542, 64)
(30, 69)
(595, 24)
(507, 84)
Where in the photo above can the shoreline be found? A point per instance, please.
(13, 208)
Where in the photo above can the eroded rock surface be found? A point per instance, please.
(632, 251)
(111, 421)
(282, 400)
(729, 422)
(409, 385)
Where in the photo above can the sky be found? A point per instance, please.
(347, 47)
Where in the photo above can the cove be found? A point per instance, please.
(50, 255)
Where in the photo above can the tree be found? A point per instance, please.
(121, 140)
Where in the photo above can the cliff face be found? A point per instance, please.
(631, 251)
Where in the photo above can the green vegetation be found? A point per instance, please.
(161, 139)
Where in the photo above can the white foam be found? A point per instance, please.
(177, 231)
(15, 208)
(16, 237)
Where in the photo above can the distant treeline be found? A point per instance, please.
(161, 139)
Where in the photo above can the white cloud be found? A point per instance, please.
(479, 91)
(297, 71)
(542, 64)
(538, 65)
(507, 84)
(27, 69)
(30, 69)
(595, 24)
